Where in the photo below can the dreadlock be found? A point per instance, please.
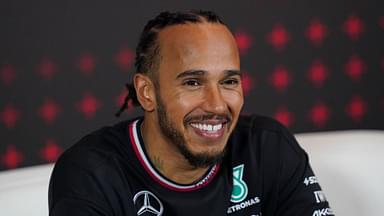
(147, 51)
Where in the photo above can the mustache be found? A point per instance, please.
(210, 116)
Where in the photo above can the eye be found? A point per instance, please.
(191, 83)
(233, 82)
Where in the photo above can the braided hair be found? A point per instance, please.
(147, 51)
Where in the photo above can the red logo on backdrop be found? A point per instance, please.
(317, 73)
(51, 151)
(280, 78)
(7, 74)
(243, 40)
(319, 114)
(86, 63)
(278, 37)
(124, 59)
(284, 116)
(246, 82)
(355, 67)
(88, 105)
(9, 116)
(49, 110)
(316, 32)
(12, 157)
(353, 27)
(356, 108)
(46, 68)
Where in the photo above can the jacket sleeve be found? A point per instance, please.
(299, 192)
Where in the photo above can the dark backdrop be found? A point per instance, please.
(313, 65)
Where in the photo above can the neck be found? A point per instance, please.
(166, 156)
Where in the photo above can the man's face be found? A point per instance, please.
(200, 96)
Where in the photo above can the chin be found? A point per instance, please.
(206, 155)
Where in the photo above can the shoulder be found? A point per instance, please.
(265, 133)
(97, 148)
(259, 122)
(88, 170)
(255, 125)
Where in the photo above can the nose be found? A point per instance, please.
(214, 101)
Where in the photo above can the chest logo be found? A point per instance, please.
(146, 203)
(240, 188)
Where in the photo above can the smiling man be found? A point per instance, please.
(191, 153)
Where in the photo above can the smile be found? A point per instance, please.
(208, 127)
(209, 130)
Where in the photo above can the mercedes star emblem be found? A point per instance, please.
(147, 204)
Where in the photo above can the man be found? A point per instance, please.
(191, 153)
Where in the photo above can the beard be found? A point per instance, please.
(198, 160)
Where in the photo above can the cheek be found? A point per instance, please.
(184, 102)
(179, 105)
(235, 100)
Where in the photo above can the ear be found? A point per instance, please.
(145, 92)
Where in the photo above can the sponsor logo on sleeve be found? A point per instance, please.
(320, 196)
(323, 212)
(310, 180)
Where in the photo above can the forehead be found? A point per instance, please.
(189, 45)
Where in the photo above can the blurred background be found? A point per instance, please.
(312, 65)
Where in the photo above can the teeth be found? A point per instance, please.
(207, 127)
(217, 127)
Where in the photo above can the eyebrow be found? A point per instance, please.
(188, 73)
(229, 73)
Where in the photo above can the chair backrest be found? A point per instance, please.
(24, 191)
(349, 166)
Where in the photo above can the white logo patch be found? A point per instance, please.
(320, 196)
(310, 180)
(146, 203)
(323, 212)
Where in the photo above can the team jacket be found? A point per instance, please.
(265, 172)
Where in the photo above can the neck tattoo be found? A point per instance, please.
(159, 164)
